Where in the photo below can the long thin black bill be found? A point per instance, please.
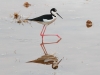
(59, 15)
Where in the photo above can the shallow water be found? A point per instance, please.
(80, 46)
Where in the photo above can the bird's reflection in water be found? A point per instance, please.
(47, 59)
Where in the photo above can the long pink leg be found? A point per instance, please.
(42, 32)
(53, 42)
(50, 34)
(44, 49)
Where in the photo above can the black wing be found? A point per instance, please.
(40, 18)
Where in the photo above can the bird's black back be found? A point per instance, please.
(40, 18)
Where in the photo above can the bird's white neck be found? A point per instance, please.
(53, 13)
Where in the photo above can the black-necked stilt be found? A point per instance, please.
(46, 20)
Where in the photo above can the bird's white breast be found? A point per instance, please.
(47, 22)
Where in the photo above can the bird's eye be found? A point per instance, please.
(55, 10)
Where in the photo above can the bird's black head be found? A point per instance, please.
(53, 9)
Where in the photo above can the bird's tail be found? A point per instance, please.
(29, 19)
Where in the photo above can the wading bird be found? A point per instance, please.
(46, 20)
